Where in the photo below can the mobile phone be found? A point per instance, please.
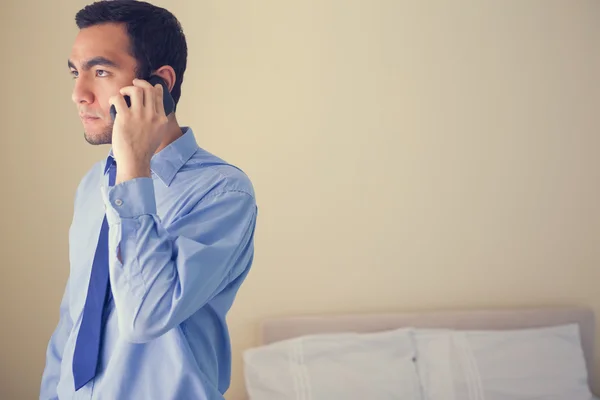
(168, 101)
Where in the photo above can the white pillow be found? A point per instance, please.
(346, 366)
(528, 364)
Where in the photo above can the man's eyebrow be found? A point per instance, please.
(102, 61)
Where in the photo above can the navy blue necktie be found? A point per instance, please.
(87, 346)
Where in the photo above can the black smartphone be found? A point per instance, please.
(168, 101)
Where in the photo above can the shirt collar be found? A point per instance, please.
(167, 162)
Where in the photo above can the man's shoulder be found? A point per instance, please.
(207, 168)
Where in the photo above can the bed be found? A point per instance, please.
(284, 329)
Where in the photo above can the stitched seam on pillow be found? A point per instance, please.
(461, 367)
(474, 368)
(417, 364)
(447, 364)
(476, 372)
(299, 371)
(304, 372)
(293, 361)
(451, 350)
(461, 352)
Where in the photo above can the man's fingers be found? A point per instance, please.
(152, 93)
(136, 96)
(120, 105)
(141, 83)
(149, 95)
(158, 104)
(145, 98)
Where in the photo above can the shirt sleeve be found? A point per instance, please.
(160, 277)
(54, 350)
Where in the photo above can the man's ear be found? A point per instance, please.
(168, 74)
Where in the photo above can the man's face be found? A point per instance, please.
(101, 65)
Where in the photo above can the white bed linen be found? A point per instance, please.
(527, 364)
(347, 366)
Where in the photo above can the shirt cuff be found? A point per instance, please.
(129, 199)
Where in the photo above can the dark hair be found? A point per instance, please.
(155, 34)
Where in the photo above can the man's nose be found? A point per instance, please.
(82, 92)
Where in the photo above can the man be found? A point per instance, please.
(162, 232)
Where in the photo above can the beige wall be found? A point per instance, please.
(407, 156)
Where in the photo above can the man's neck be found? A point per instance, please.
(173, 133)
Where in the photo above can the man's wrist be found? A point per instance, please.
(126, 173)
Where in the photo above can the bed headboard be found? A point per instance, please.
(277, 329)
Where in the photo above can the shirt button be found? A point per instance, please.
(119, 202)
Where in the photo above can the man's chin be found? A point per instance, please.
(98, 138)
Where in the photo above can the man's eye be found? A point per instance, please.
(101, 73)
(74, 73)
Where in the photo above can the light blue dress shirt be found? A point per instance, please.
(181, 243)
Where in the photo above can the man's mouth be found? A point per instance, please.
(88, 119)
